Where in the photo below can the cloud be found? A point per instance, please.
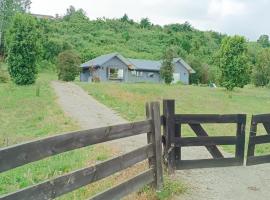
(245, 17)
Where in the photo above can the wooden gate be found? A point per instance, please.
(173, 140)
(255, 139)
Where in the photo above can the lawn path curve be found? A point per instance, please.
(232, 183)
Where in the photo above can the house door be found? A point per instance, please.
(176, 77)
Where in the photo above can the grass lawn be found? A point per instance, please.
(25, 116)
(129, 100)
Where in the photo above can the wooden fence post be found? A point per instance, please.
(240, 133)
(156, 141)
(169, 131)
(148, 112)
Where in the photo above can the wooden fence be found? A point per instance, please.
(255, 139)
(18, 155)
(174, 140)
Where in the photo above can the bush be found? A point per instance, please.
(166, 70)
(68, 65)
(261, 70)
(233, 62)
(23, 48)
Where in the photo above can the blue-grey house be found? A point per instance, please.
(115, 67)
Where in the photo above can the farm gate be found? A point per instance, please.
(174, 141)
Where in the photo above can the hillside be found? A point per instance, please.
(92, 38)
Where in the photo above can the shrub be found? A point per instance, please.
(23, 49)
(261, 71)
(68, 65)
(166, 70)
(233, 62)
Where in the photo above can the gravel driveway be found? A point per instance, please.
(232, 183)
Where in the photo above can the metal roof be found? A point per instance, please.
(137, 64)
(150, 65)
(98, 61)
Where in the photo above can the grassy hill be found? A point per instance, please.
(92, 38)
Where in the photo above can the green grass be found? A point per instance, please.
(25, 116)
(129, 101)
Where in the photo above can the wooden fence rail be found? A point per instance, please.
(175, 141)
(255, 139)
(18, 155)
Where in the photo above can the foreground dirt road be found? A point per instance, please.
(233, 183)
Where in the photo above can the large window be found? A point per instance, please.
(115, 73)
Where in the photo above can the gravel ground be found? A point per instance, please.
(232, 183)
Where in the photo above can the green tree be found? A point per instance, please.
(233, 62)
(167, 69)
(261, 71)
(68, 65)
(8, 8)
(264, 41)
(75, 15)
(145, 23)
(23, 49)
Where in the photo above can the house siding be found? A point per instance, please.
(102, 73)
(115, 62)
(144, 78)
(184, 73)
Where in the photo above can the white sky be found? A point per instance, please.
(245, 17)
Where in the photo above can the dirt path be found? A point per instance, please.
(233, 183)
(89, 113)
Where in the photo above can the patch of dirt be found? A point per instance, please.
(231, 183)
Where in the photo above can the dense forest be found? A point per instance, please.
(142, 39)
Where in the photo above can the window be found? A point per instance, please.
(115, 73)
(133, 73)
(137, 73)
(150, 75)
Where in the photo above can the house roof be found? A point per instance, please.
(187, 66)
(150, 65)
(137, 64)
(98, 61)
(40, 16)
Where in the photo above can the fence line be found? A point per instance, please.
(18, 155)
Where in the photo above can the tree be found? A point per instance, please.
(145, 23)
(264, 41)
(8, 8)
(23, 49)
(233, 62)
(75, 15)
(261, 71)
(68, 65)
(167, 69)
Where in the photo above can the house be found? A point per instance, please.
(40, 16)
(115, 67)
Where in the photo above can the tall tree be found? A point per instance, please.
(167, 69)
(145, 23)
(8, 9)
(264, 41)
(23, 49)
(261, 71)
(233, 62)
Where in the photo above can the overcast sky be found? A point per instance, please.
(244, 17)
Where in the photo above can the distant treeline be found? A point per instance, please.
(91, 38)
